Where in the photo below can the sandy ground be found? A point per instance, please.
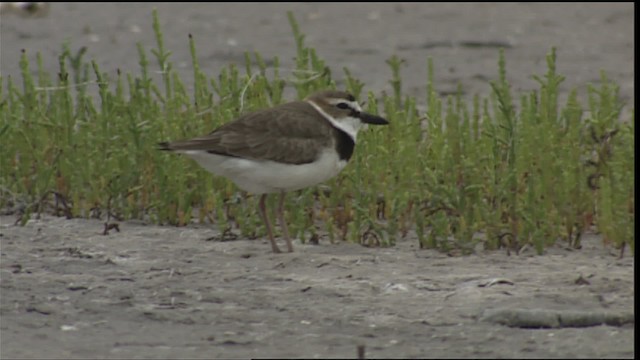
(162, 292)
(463, 39)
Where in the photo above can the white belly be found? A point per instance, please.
(260, 177)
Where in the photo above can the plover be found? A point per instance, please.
(284, 148)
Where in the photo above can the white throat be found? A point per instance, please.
(349, 125)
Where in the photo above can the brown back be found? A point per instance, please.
(292, 133)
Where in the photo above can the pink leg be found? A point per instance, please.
(283, 223)
(262, 209)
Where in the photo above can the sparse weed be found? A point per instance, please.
(506, 171)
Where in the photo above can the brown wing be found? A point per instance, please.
(277, 134)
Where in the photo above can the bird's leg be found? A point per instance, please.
(283, 223)
(262, 209)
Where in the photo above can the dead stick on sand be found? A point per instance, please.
(360, 351)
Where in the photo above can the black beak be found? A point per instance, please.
(372, 119)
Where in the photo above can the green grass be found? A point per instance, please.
(510, 170)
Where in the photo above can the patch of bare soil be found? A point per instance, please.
(164, 292)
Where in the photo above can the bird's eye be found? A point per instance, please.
(343, 106)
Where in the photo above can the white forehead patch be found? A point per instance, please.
(348, 124)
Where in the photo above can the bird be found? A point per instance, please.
(284, 148)
(25, 9)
